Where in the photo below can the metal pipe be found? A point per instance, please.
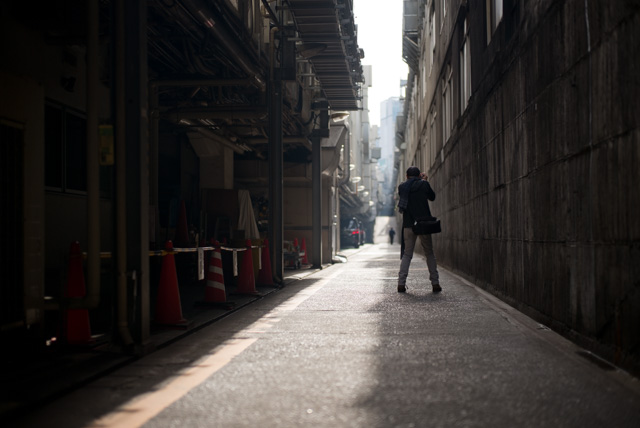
(213, 113)
(347, 160)
(200, 10)
(137, 168)
(275, 166)
(316, 196)
(121, 182)
(303, 141)
(154, 124)
(215, 137)
(92, 298)
(202, 82)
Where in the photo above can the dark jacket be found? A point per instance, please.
(420, 193)
(403, 193)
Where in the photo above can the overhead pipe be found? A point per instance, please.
(187, 113)
(202, 82)
(213, 136)
(199, 10)
(303, 141)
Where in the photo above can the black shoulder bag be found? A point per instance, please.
(426, 226)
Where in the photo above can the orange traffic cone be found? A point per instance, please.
(77, 328)
(246, 279)
(182, 232)
(265, 276)
(168, 309)
(303, 250)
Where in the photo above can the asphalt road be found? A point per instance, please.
(341, 348)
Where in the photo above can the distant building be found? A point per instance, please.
(359, 178)
(389, 111)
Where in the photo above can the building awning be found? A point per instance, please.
(330, 23)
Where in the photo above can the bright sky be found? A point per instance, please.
(380, 35)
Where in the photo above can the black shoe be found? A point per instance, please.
(401, 288)
(436, 288)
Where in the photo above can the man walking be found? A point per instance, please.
(415, 194)
(392, 233)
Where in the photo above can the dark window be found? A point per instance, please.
(512, 12)
(494, 12)
(53, 147)
(65, 149)
(76, 152)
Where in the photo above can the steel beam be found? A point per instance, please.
(316, 196)
(137, 166)
(276, 179)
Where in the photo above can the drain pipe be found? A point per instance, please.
(92, 297)
(347, 160)
(121, 181)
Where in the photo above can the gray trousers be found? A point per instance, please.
(409, 246)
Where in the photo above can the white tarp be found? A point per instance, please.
(246, 220)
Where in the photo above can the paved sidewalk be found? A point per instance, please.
(341, 348)
(43, 376)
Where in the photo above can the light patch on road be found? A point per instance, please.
(141, 409)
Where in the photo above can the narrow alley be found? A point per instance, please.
(341, 348)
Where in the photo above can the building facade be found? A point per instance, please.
(126, 124)
(525, 117)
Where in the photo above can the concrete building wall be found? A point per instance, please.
(537, 184)
(31, 122)
(45, 73)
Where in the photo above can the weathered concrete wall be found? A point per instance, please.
(538, 186)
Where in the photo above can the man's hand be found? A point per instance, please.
(423, 176)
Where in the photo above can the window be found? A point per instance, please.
(432, 39)
(494, 16)
(443, 3)
(447, 106)
(465, 69)
(432, 137)
(424, 140)
(424, 75)
(65, 149)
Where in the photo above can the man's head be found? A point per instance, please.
(413, 171)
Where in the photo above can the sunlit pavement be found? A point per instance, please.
(341, 348)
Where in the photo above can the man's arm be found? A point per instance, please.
(431, 195)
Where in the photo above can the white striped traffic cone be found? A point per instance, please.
(214, 291)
